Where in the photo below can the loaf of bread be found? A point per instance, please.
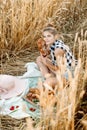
(42, 47)
(33, 93)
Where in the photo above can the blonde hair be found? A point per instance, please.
(50, 29)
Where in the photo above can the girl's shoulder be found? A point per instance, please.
(62, 45)
(59, 42)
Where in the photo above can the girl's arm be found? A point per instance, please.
(59, 52)
(49, 64)
(60, 56)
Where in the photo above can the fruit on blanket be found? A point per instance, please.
(17, 106)
(33, 93)
(12, 108)
(32, 109)
(29, 94)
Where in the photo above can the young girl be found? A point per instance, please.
(49, 66)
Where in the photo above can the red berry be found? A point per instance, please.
(17, 106)
(32, 109)
(12, 108)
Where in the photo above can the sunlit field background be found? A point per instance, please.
(21, 22)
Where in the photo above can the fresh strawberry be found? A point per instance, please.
(32, 109)
(17, 106)
(12, 108)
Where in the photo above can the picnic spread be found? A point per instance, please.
(19, 99)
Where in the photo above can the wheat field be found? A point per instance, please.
(21, 22)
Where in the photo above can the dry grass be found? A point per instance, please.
(20, 25)
(59, 110)
(21, 22)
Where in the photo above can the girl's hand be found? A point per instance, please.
(44, 59)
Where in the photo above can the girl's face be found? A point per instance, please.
(48, 37)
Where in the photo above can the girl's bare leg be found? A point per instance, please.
(51, 81)
(50, 78)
